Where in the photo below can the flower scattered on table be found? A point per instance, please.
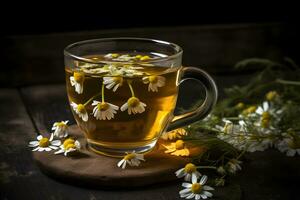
(77, 81)
(174, 134)
(154, 82)
(177, 148)
(234, 165)
(189, 171)
(289, 145)
(60, 129)
(80, 111)
(104, 110)
(133, 159)
(196, 189)
(44, 143)
(69, 145)
(134, 106)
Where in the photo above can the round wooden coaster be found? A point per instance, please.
(89, 168)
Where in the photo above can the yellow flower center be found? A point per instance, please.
(270, 96)
(240, 105)
(78, 77)
(80, 108)
(249, 110)
(68, 141)
(266, 115)
(103, 106)
(190, 168)
(129, 156)
(196, 188)
(114, 55)
(44, 142)
(144, 58)
(138, 56)
(118, 79)
(179, 144)
(70, 146)
(294, 143)
(133, 102)
(61, 124)
(153, 79)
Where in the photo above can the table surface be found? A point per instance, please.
(30, 110)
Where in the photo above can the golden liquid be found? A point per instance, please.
(124, 130)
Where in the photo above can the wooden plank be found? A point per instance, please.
(47, 104)
(215, 48)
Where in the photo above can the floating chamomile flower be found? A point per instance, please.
(154, 82)
(80, 111)
(60, 129)
(133, 159)
(177, 148)
(196, 189)
(111, 55)
(104, 110)
(189, 171)
(77, 81)
(134, 106)
(69, 145)
(113, 82)
(44, 143)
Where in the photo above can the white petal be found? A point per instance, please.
(59, 151)
(51, 137)
(203, 180)
(48, 149)
(207, 194)
(190, 196)
(197, 197)
(186, 190)
(39, 137)
(180, 173)
(124, 107)
(36, 149)
(186, 185)
(56, 142)
(33, 143)
(265, 106)
(291, 152)
(120, 162)
(53, 147)
(206, 187)
(203, 196)
(194, 179)
(41, 149)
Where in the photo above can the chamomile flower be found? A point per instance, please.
(134, 106)
(77, 81)
(133, 159)
(80, 111)
(44, 143)
(69, 145)
(154, 82)
(290, 146)
(189, 171)
(177, 148)
(233, 165)
(196, 189)
(111, 55)
(113, 82)
(104, 110)
(60, 129)
(174, 134)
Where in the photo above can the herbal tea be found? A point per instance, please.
(121, 102)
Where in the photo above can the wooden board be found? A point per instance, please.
(91, 169)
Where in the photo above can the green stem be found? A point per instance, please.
(287, 82)
(131, 89)
(206, 167)
(102, 93)
(92, 98)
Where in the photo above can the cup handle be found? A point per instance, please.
(205, 108)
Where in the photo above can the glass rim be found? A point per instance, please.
(176, 47)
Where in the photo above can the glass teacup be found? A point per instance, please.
(123, 92)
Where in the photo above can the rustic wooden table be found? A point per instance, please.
(34, 97)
